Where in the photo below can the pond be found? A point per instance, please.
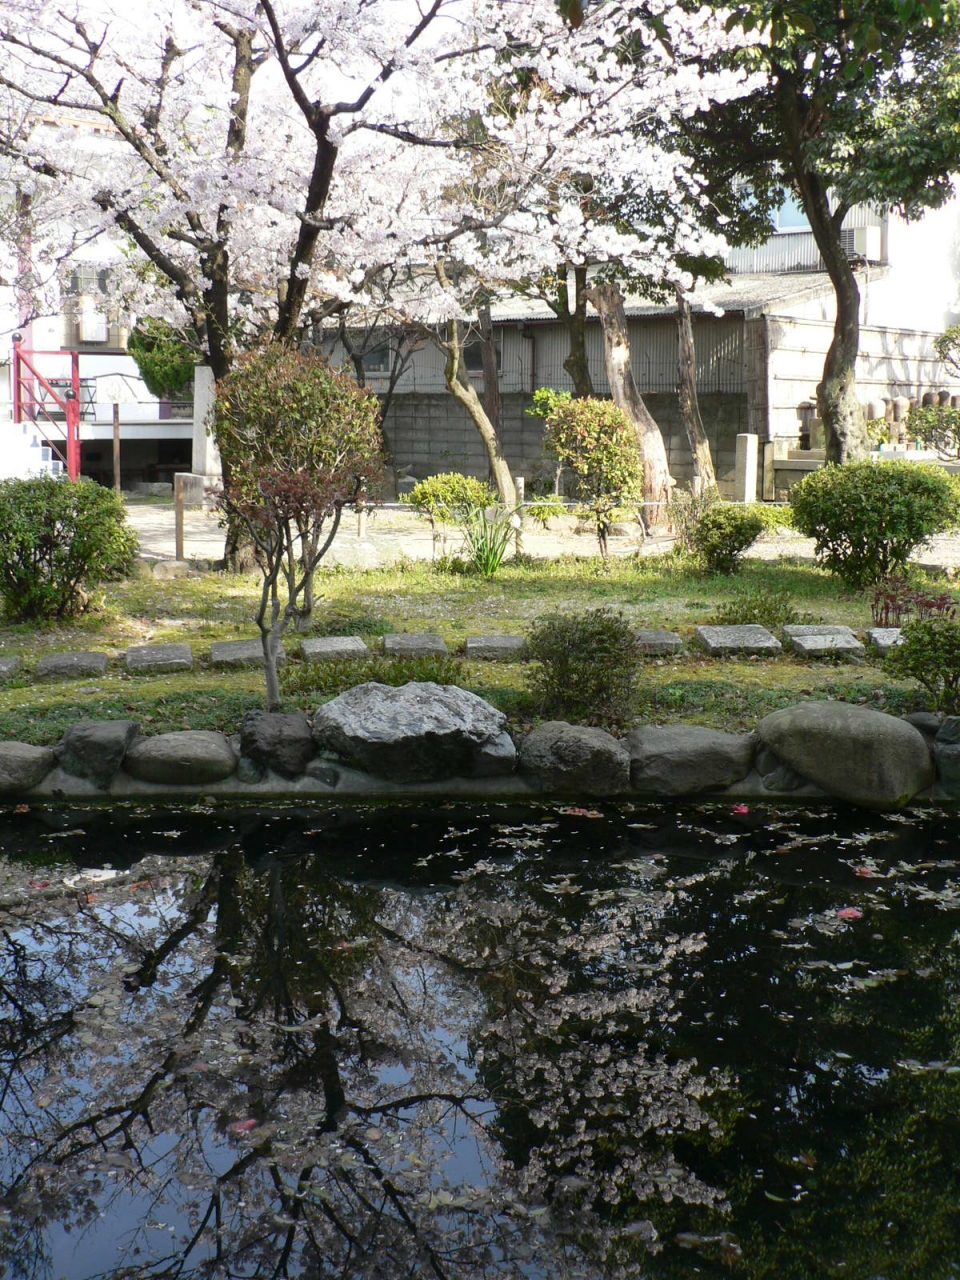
(454, 1043)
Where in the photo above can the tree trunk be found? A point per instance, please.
(657, 481)
(466, 394)
(576, 364)
(704, 476)
(844, 428)
(491, 375)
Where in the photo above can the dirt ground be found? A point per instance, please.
(392, 534)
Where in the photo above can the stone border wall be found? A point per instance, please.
(425, 740)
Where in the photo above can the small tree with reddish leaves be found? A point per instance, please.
(300, 442)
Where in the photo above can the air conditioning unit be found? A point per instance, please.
(862, 242)
(91, 324)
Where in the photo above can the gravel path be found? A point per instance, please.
(392, 535)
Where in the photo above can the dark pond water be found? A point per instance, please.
(452, 1044)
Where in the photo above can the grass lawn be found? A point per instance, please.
(415, 596)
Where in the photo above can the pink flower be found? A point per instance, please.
(741, 810)
(850, 913)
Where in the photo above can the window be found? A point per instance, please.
(791, 217)
(88, 398)
(473, 354)
(87, 280)
(376, 361)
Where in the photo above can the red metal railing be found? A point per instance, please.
(28, 406)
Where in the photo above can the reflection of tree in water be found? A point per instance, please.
(273, 1065)
(273, 1070)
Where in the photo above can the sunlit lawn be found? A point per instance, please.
(416, 596)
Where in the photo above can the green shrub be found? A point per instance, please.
(586, 665)
(685, 511)
(722, 535)
(929, 652)
(936, 427)
(449, 498)
(774, 516)
(597, 444)
(766, 606)
(57, 541)
(868, 517)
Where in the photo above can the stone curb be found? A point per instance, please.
(652, 764)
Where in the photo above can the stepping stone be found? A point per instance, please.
(333, 648)
(151, 659)
(721, 642)
(495, 648)
(658, 642)
(10, 666)
(241, 653)
(823, 642)
(414, 646)
(883, 639)
(71, 666)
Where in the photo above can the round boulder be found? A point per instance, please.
(863, 756)
(574, 759)
(192, 756)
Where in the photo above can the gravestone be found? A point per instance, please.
(721, 642)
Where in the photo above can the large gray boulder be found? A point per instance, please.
(854, 753)
(23, 766)
(95, 749)
(572, 758)
(418, 732)
(192, 756)
(276, 740)
(683, 760)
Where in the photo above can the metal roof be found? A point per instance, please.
(748, 295)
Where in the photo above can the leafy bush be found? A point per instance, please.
(868, 517)
(597, 444)
(449, 498)
(722, 535)
(772, 515)
(937, 427)
(766, 606)
(587, 665)
(165, 361)
(929, 652)
(59, 540)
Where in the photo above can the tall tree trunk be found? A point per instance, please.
(575, 320)
(704, 476)
(657, 481)
(844, 427)
(491, 374)
(466, 394)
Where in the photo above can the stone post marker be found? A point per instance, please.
(206, 455)
(745, 475)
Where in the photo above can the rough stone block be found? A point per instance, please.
(823, 641)
(10, 666)
(23, 766)
(71, 666)
(722, 642)
(334, 648)
(678, 760)
(95, 749)
(154, 659)
(948, 767)
(575, 759)
(948, 734)
(241, 653)
(495, 648)
(278, 741)
(658, 643)
(414, 646)
(883, 639)
(190, 757)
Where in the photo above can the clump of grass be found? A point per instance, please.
(327, 679)
(766, 606)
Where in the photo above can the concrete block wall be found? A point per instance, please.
(432, 433)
